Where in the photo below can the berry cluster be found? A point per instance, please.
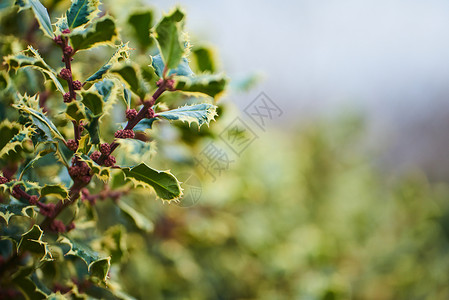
(150, 113)
(58, 226)
(68, 50)
(47, 209)
(77, 85)
(105, 150)
(72, 145)
(80, 170)
(67, 98)
(58, 40)
(131, 114)
(169, 83)
(65, 74)
(3, 180)
(124, 134)
(95, 156)
(109, 161)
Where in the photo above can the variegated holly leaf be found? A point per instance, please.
(101, 32)
(141, 222)
(16, 208)
(122, 53)
(170, 39)
(32, 59)
(96, 265)
(32, 242)
(99, 99)
(131, 74)
(141, 21)
(82, 12)
(211, 85)
(30, 106)
(165, 184)
(199, 113)
(15, 139)
(204, 58)
(182, 69)
(41, 14)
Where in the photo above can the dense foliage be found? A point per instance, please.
(80, 113)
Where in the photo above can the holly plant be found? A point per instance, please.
(81, 110)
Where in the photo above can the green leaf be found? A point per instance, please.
(94, 129)
(38, 117)
(42, 17)
(32, 241)
(36, 158)
(134, 151)
(27, 286)
(75, 111)
(211, 85)
(97, 266)
(198, 113)
(99, 99)
(17, 140)
(100, 268)
(92, 100)
(31, 58)
(141, 21)
(204, 58)
(127, 97)
(16, 209)
(165, 184)
(183, 69)
(122, 53)
(143, 124)
(61, 25)
(54, 189)
(101, 32)
(168, 34)
(22, 4)
(140, 220)
(81, 12)
(130, 73)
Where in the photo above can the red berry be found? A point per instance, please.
(68, 50)
(150, 113)
(124, 134)
(65, 74)
(47, 209)
(77, 85)
(170, 84)
(72, 145)
(67, 98)
(57, 226)
(86, 178)
(131, 114)
(95, 155)
(3, 180)
(58, 40)
(105, 149)
(110, 161)
(66, 31)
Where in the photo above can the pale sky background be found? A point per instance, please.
(386, 58)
